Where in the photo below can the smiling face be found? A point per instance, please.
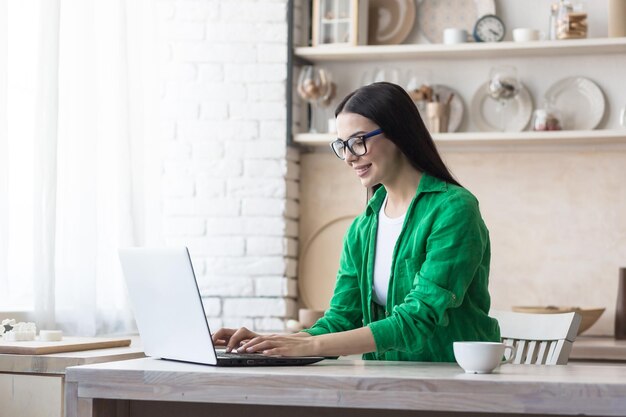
(383, 161)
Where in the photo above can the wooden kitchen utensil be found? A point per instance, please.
(68, 344)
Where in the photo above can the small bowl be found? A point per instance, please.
(589, 315)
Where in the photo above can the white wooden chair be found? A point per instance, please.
(539, 339)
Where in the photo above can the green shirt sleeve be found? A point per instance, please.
(454, 252)
(345, 312)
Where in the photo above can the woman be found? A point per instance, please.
(413, 274)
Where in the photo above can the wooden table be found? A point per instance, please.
(341, 387)
(33, 385)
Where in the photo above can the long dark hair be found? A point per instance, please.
(391, 108)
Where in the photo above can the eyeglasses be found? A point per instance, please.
(355, 144)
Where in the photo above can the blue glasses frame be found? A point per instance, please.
(339, 145)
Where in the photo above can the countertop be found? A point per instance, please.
(597, 348)
(55, 363)
(592, 389)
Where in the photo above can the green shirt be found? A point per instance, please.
(438, 284)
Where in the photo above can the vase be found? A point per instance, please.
(617, 18)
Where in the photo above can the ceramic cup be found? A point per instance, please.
(454, 35)
(526, 35)
(481, 357)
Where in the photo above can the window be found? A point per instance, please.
(18, 63)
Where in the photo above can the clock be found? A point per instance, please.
(489, 28)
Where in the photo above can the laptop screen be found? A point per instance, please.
(167, 304)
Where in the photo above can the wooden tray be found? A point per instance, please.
(68, 344)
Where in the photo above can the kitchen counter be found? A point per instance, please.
(42, 377)
(342, 387)
(55, 363)
(597, 348)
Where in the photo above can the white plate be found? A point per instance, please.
(487, 115)
(580, 101)
(436, 15)
(390, 21)
(456, 106)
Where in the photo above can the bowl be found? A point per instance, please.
(589, 315)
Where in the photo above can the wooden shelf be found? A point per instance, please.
(593, 46)
(469, 139)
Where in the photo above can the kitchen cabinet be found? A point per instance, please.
(33, 385)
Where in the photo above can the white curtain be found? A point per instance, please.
(94, 161)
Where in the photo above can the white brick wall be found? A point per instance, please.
(230, 182)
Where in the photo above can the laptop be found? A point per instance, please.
(170, 315)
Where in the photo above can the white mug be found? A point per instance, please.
(454, 35)
(481, 357)
(526, 34)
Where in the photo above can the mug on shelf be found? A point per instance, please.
(454, 35)
(526, 35)
(546, 119)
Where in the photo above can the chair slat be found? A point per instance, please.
(564, 352)
(519, 355)
(541, 353)
(531, 352)
(551, 357)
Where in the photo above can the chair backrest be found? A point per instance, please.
(539, 339)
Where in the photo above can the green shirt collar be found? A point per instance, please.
(428, 184)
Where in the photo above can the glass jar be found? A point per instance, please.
(552, 28)
(571, 22)
(546, 119)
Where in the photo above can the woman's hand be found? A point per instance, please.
(350, 342)
(282, 345)
(232, 338)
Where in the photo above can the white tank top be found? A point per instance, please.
(386, 236)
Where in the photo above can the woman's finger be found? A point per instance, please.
(252, 342)
(240, 335)
(222, 335)
(261, 345)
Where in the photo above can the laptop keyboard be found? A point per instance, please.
(235, 355)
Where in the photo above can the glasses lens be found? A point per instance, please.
(358, 146)
(338, 148)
